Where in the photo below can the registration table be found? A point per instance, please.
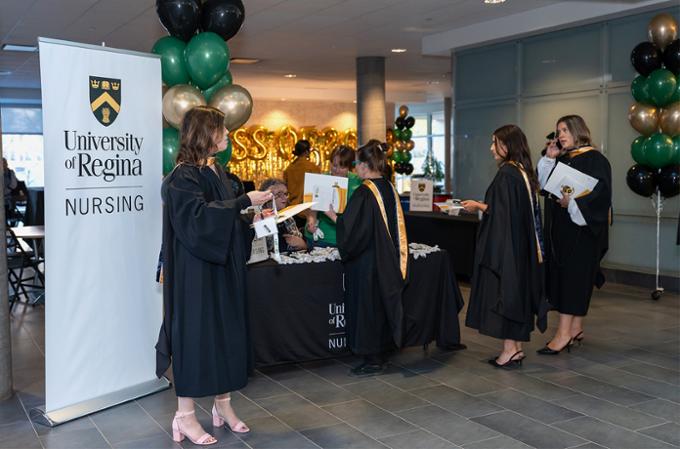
(297, 311)
(455, 234)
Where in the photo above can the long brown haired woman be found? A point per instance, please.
(507, 283)
(205, 332)
(576, 230)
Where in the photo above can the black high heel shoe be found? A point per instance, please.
(548, 351)
(578, 338)
(510, 364)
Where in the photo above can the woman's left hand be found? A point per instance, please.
(295, 242)
(564, 201)
(330, 213)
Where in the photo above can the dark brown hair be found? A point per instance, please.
(197, 135)
(302, 147)
(517, 150)
(373, 155)
(345, 156)
(578, 129)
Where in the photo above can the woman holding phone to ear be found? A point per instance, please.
(576, 230)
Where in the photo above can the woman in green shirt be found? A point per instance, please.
(342, 160)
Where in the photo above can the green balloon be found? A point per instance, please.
(397, 133)
(226, 80)
(173, 67)
(640, 89)
(170, 149)
(207, 58)
(224, 156)
(658, 150)
(406, 156)
(661, 86)
(636, 150)
(676, 94)
(676, 150)
(406, 134)
(397, 157)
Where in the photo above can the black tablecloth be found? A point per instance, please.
(297, 311)
(455, 234)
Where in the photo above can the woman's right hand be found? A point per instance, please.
(312, 223)
(552, 150)
(470, 205)
(258, 198)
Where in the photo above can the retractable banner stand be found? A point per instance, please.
(102, 130)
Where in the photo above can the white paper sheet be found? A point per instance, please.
(566, 177)
(324, 190)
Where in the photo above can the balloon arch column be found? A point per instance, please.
(656, 116)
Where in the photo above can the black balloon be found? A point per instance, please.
(645, 58)
(400, 122)
(641, 180)
(668, 180)
(399, 167)
(179, 17)
(408, 168)
(223, 17)
(410, 121)
(671, 57)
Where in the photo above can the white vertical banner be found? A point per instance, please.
(102, 152)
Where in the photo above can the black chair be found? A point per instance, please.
(22, 271)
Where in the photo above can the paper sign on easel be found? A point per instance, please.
(421, 195)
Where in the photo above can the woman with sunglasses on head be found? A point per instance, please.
(576, 230)
(374, 249)
(506, 295)
(342, 162)
(204, 334)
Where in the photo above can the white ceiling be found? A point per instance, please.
(318, 40)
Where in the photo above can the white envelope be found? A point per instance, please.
(564, 177)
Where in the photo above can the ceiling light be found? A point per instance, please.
(290, 75)
(433, 82)
(5, 72)
(24, 48)
(398, 50)
(244, 60)
(283, 99)
(493, 2)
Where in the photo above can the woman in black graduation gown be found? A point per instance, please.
(204, 332)
(371, 237)
(576, 230)
(507, 283)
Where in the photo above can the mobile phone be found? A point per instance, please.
(553, 136)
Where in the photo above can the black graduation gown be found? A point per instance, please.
(373, 278)
(205, 324)
(574, 252)
(507, 288)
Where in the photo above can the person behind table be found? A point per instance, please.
(372, 241)
(10, 184)
(205, 246)
(507, 282)
(294, 176)
(342, 161)
(576, 230)
(290, 237)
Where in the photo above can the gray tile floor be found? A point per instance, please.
(620, 389)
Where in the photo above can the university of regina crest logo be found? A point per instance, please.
(105, 99)
(421, 188)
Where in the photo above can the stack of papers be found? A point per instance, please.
(565, 179)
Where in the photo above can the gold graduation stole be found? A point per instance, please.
(533, 210)
(401, 224)
(572, 154)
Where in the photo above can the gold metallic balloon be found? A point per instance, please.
(178, 100)
(644, 118)
(287, 137)
(389, 136)
(403, 111)
(662, 30)
(410, 145)
(670, 119)
(240, 143)
(164, 89)
(258, 150)
(390, 150)
(236, 104)
(350, 138)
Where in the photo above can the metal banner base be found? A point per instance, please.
(66, 414)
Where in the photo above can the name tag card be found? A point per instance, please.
(266, 227)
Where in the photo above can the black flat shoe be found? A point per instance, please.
(548, 351)
(512, 363)
(366, 369)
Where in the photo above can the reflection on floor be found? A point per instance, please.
(620, 389)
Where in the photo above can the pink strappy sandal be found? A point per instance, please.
(219, 420)
(178, 434)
